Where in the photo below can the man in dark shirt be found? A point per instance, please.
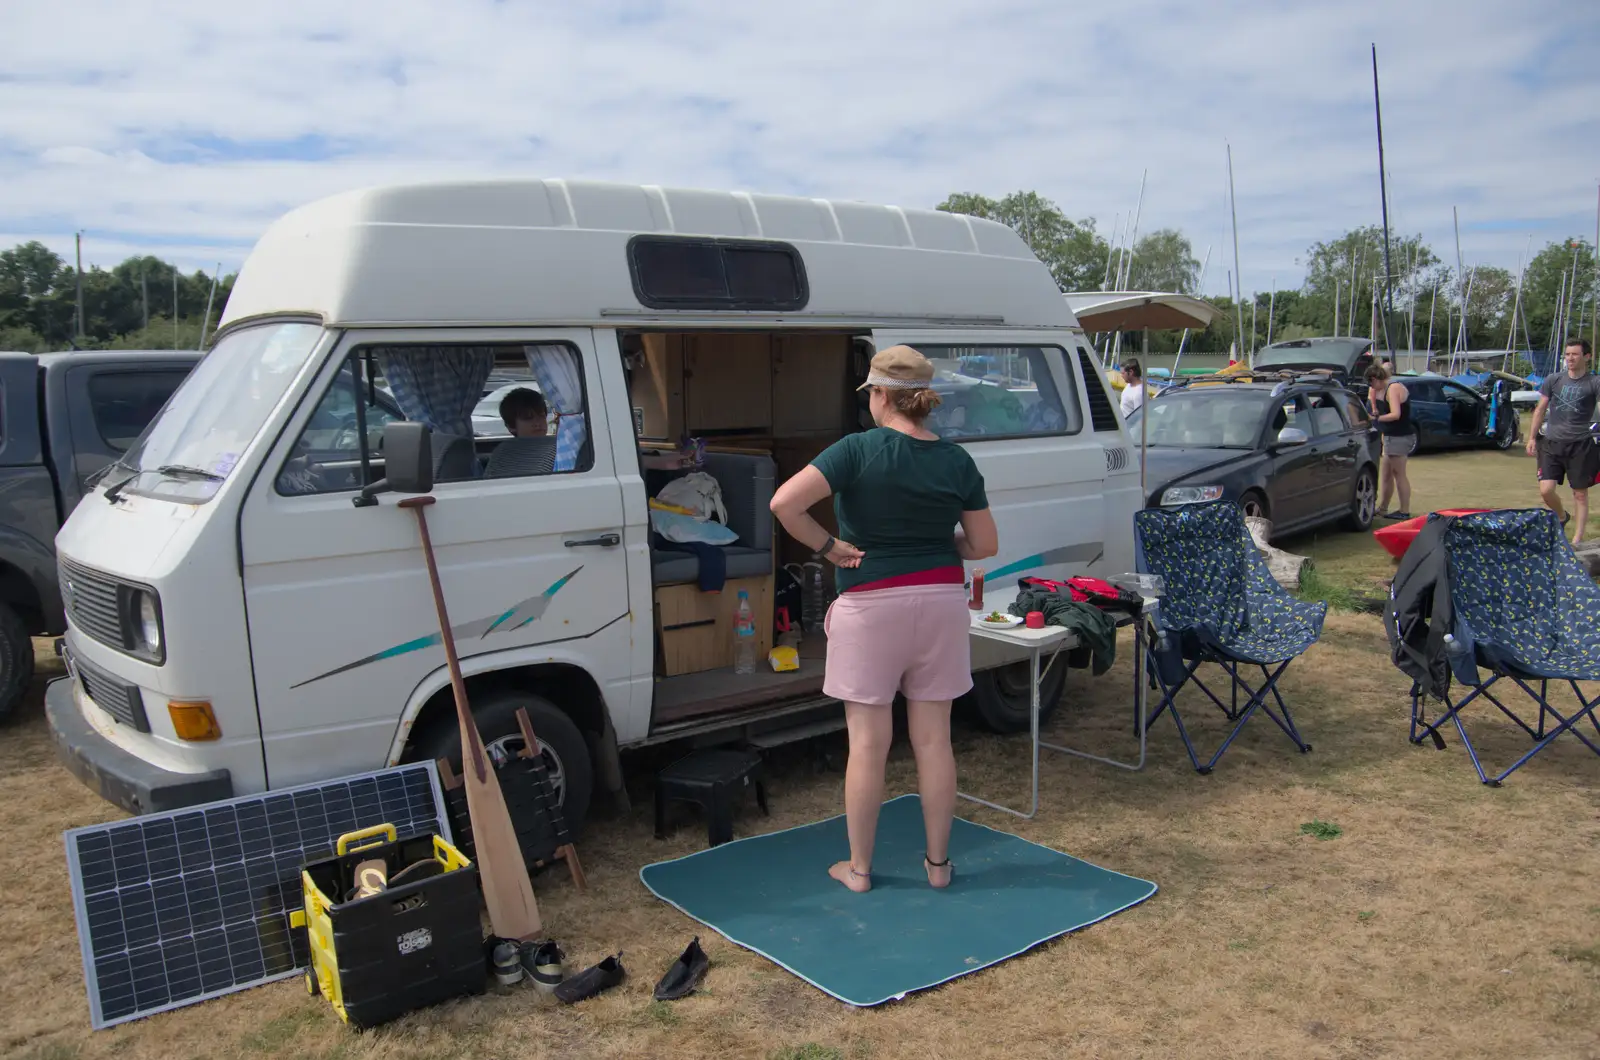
(1566, 410)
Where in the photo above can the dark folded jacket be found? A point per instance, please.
(1096, 630)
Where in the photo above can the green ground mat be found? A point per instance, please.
(772, 894)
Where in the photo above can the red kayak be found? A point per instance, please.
(1396, 537)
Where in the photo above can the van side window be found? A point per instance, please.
(685, 272)
(496, 412)
(1002, 392)
(124, 403)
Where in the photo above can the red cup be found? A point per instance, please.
(1035, 620)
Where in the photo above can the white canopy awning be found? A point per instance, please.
(1136, 310)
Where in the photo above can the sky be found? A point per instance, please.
(183, 129)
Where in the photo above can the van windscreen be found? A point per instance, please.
(191, 448)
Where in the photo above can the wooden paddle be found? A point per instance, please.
(507, 891)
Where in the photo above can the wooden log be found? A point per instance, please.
(1286, 567)
(1589, 555)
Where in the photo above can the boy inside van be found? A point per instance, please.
(525, 413)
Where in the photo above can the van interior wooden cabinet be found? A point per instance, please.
(694, 630)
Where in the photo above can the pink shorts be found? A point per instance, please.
(910, 639)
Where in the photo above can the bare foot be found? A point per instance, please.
(844, 872)
(938, 875)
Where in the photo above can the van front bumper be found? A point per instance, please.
(117, 776)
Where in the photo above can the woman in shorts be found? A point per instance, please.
(900, 623)
(1390, 403)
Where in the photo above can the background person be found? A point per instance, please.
(900, 622)
(1133, 392)
(1566, 412)
(1390, 404)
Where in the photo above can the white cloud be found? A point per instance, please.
(187, 127)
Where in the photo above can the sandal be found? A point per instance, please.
(931, 864)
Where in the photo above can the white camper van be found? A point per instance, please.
(248, 610)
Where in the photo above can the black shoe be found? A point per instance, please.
(685, 974)
(542, 963)
(591, 981)
(1395, 515)
(507, 968)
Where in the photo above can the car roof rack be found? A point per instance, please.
(1318, 375)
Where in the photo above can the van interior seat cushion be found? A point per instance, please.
(670, 568)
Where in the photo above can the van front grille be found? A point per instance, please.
(113, 695)
(91, 599)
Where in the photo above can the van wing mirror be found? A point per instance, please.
(407, 460)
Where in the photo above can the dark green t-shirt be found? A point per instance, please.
(898, 499)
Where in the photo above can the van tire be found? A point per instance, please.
(16, 661)
(1001, 700)
(566, 751)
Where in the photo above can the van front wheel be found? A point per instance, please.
(1002, 698)
(566, 755)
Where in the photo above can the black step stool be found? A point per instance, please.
(710, 779)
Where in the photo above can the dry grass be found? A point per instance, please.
(1444, 918)
(1370, 899)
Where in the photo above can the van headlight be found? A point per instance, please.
(149, 623)
(1179, 495)
(142, 633)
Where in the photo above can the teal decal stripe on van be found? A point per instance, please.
(1088, 552)
(525, 612)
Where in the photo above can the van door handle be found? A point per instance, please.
(604, 540)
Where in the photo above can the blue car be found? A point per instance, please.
(1300, 452)
(1450, 415)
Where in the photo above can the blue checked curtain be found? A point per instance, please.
(560, 378)
(437, 385)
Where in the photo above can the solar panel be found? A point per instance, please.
(181, 906)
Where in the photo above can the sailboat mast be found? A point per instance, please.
(1133, 236)
(1383, 192)
(1272, 304)
(1233, 207)
(1199, 286)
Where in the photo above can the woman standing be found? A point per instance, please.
(900, 622)
(1390, 403)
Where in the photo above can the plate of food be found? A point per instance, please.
(997, 619)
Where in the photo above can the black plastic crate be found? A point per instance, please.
(413, 944)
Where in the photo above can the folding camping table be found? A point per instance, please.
(1056, 639)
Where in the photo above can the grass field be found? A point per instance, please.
(1370, 899)
(1347, 563)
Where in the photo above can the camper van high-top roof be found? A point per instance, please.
(510, 252)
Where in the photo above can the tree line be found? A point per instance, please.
(1342, 278)
(143, 303)
(147, 303)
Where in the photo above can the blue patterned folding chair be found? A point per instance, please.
(1221, 606)
(1523, 611)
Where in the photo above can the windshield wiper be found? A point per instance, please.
(114, 490)
(190, 472)
(94, 478)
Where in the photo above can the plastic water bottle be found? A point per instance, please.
(814, 603)
(744, 636)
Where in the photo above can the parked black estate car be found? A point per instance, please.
(1299, 451)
